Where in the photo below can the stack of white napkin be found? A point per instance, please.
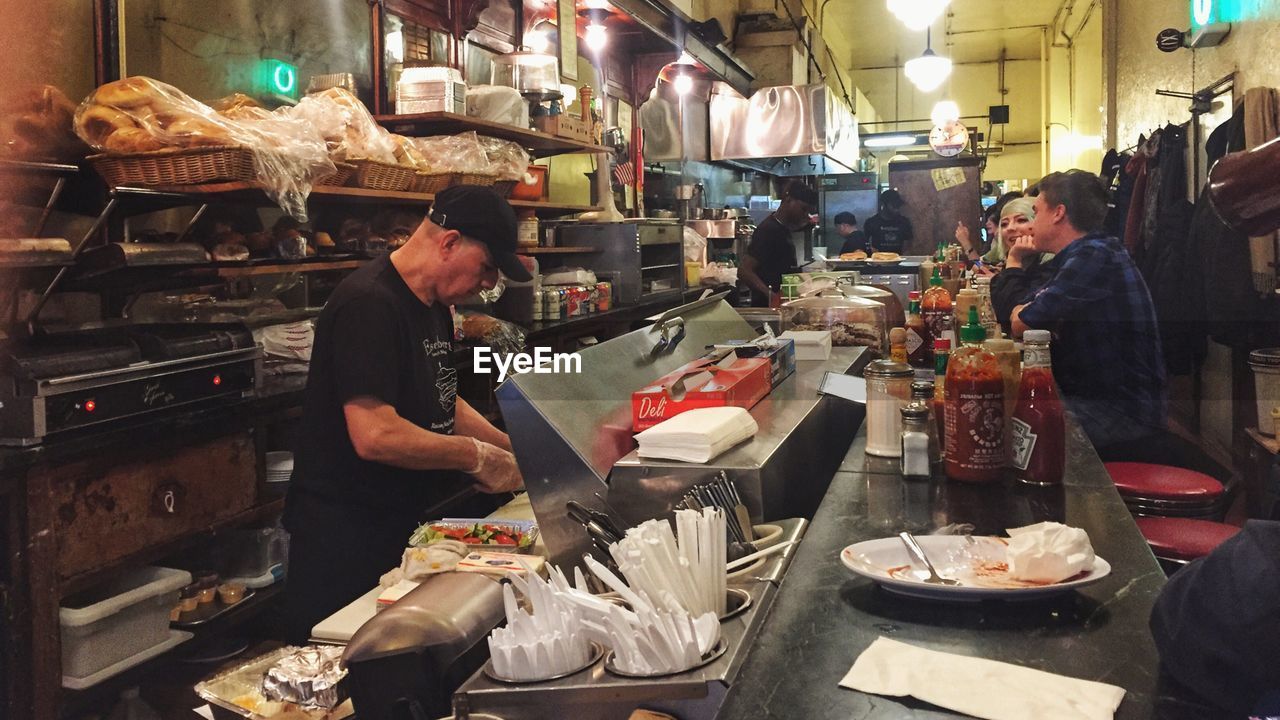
(1048, 552)
(697, 435)
(981, 688)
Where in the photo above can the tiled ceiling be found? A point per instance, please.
(969, 31)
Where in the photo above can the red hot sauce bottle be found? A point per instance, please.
(975, 409)
(1039, 449)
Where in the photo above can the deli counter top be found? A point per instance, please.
(825, 616)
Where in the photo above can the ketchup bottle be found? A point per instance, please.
(1039, 450)
(974, 409)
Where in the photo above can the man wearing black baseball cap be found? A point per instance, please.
(385, 442)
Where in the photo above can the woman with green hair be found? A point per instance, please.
(1025, 269)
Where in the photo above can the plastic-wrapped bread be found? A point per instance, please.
(140, 114)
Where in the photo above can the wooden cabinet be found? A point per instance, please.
(105, 512)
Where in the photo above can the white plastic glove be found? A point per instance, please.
(495, 470)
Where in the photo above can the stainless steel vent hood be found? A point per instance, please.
(784, 130)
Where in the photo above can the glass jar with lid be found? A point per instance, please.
(534, 75)
(888, 389)
(853, 321)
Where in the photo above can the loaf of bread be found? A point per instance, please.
(139, 114)
(36, 124)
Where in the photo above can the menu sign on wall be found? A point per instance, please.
(567, 22)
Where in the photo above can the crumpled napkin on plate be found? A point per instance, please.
(981, 688)
(1048, 552)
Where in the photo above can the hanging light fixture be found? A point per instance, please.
(596, 35)
(928, 71)
(945, 113)
(917, 14)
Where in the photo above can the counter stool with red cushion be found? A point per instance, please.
(1167, 491)
(1178, 541)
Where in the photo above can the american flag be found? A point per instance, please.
(624, 173)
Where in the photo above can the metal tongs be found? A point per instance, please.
(600, 527)
(671, 332)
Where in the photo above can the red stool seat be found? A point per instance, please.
(1164, 483)
(1183, 539)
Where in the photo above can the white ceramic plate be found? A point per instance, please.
(978, 566)
(884, 262)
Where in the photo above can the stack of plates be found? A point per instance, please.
(279, 466)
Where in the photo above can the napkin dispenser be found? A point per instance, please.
(742, 382)
(407, 661)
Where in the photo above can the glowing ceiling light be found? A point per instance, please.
(889, 141)
(596, 37)
(945, 113)
(928, 71)
(683, 84)
(917, 14)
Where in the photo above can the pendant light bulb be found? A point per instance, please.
(928, 71)
(596, 37)
(683, 84)
(945, 113)
(917, 15)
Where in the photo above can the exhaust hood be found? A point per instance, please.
(784, 130)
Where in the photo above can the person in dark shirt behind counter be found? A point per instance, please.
(771, 253)
(889, 230)
(851, 238)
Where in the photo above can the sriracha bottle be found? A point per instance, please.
(1038, 453)
(975, 409)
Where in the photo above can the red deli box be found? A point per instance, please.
(740, 382)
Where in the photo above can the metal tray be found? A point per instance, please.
(597, 651)
(716, 652)
(208, 612)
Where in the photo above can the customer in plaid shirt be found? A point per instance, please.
(1106, 346)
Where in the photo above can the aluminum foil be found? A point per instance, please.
(308, 676)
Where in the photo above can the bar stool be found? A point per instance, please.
(1167, 491)
(1177, 541)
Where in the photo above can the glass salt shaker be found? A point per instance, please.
(922, 392)
(888, 389)
(915, 441)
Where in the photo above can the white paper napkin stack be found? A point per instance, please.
(697, 435)
(1048, 552)
(981, 688)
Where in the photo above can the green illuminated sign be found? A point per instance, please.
(276, 77)
(1205, 12)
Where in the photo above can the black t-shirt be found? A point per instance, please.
(775, 256)
(375, 338)
(888, 234)
(857, 240)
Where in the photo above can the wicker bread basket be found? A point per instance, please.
(176, 166)
(338, 178)
(376, 175)
(432, 183)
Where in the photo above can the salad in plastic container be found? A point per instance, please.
(505, 535)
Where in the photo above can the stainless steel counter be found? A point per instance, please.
(783, 472)
(596, 694)
(573, 438)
